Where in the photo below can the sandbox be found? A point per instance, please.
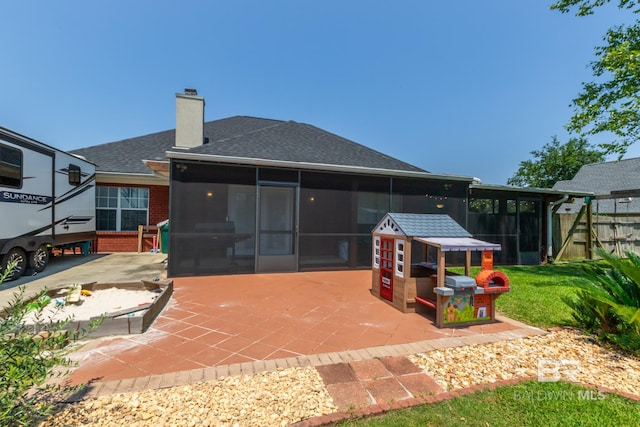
(126, 308)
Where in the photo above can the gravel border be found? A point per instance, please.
(277, 398)
(563, 355)
(298, 395)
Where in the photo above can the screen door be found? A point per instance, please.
(277, 228)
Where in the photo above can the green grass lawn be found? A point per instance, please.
(529, 403)
(537, 291)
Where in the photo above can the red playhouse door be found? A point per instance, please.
(386, 268)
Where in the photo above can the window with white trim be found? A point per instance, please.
(400, 257)
(376, 251)
(121, 208)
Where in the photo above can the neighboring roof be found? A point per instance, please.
(602, 178)
(427, 225)
(245, 137)
(605, 180)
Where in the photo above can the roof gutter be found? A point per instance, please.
(535, 190)
(131, 178)
(314, 166)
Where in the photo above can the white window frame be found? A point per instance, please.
(400, 246)
(118, 209)
(376, 251)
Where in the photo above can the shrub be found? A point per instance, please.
(29, 356)
(609, 305)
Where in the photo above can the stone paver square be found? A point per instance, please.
(338, 373)
(400, 365)
(347, 396)
(420, 384)
(386, 390)
(371, 369)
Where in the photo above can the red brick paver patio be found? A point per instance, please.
(226, 320)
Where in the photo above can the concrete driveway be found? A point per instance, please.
(104, 268)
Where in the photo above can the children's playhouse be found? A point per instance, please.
(425, 284)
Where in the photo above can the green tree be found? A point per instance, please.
(610, 105)
(555, 162)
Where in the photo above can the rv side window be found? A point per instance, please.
(10, 167)
(74, 175)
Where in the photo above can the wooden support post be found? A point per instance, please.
(440, 309)
(441, 268)
(589, 234)
(467, 264)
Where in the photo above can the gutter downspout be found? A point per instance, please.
(550, 226)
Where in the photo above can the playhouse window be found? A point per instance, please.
(376, 251)
(400, 258)
(10, 167)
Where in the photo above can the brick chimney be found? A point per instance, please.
(189, 119)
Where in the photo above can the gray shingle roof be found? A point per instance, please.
(428, 225)
(602, 179)
(249, 137)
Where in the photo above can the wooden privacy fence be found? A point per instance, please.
(615, 233)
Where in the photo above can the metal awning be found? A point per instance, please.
(458, 244)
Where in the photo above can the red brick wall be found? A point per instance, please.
(158, 204)
(127, 241)
(480, 300)
(114, 241)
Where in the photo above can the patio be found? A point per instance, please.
(228, 320)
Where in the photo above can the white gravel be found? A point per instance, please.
(567, 355)
(268, 399)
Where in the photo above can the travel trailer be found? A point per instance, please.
(47, 199)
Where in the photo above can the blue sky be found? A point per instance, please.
(466, 87)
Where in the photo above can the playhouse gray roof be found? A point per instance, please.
(604, 180)
(428, 225)
(244, 137)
